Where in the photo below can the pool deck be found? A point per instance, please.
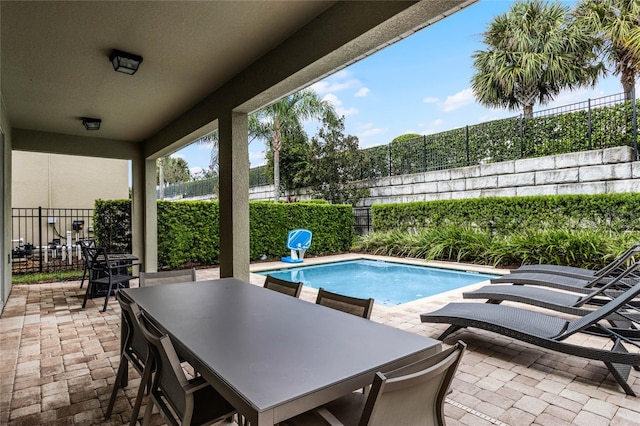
(59, 363)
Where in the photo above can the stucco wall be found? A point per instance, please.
(62, 181)
(610, 170)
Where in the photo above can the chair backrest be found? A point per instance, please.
(148, 279)
(413, 394)
(283, 286)
(169, 380)
(97, 258)
(621, 262)
(135, 345)
(351, 305)
(602, 312)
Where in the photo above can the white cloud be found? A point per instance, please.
(458, 100)
(430, 100)
(257, 158)
(337, 104)
(194, 171)
(325, 86)
(177, 155)
(373, 131)
(364, 91)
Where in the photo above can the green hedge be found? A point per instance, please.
(502, 215)
(188, 231)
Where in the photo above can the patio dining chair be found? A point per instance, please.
(106, 274)
(283, 286)
(84, 244)
(351, 305)
(134, 352)
(180, 401)
(148, 279)
(410, 395)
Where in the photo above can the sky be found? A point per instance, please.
(421, 84)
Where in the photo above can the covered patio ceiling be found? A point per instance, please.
(55, 66)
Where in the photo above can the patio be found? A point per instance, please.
(59, 364)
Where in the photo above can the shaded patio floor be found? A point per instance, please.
(59, 363)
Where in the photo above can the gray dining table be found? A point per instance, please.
(270, 355)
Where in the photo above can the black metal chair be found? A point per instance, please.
(191, 401)
(283, 286)
(351, 305)
(106, 274)
(84, 244)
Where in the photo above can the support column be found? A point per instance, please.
(234, 195)
(144, 213)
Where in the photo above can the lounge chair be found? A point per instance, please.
(570, 303)
(547, 331)
(615, 266)
(578, 285)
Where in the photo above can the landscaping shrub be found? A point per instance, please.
(188, 231)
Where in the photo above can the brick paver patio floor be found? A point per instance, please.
(59, 363)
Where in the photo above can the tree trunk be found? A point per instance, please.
(528, 111)
(628, 83)
(276, 175)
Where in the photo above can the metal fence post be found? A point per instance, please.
(40, 238)
(389, 151)
(466, 144)
(635, 124)
(424, 153)
(589, 122)
(521, 136)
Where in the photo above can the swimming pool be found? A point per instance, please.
(388, 283)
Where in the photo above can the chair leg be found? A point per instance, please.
(147, 412)
(84, 274)
(86, 294)
(144, 383)
(106, 298)
(448, 331)
(121, 371)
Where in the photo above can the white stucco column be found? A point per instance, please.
(234, 195)
(144, 212)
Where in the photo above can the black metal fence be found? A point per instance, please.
(362, 220)
(605, 122)
(45, 239)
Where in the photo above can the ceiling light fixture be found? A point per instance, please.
(125, 62)
(91, 123)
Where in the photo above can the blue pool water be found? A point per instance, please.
(387, 282)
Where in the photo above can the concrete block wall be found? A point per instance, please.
(611, 170)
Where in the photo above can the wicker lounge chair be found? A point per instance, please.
(570, 303)
(614, 267)
(547, 331)
(578, 285)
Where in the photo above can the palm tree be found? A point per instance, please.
(617, 24)
(533, 52)
(272, 121)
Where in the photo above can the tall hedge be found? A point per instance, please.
(188, 231)
(502, 215)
